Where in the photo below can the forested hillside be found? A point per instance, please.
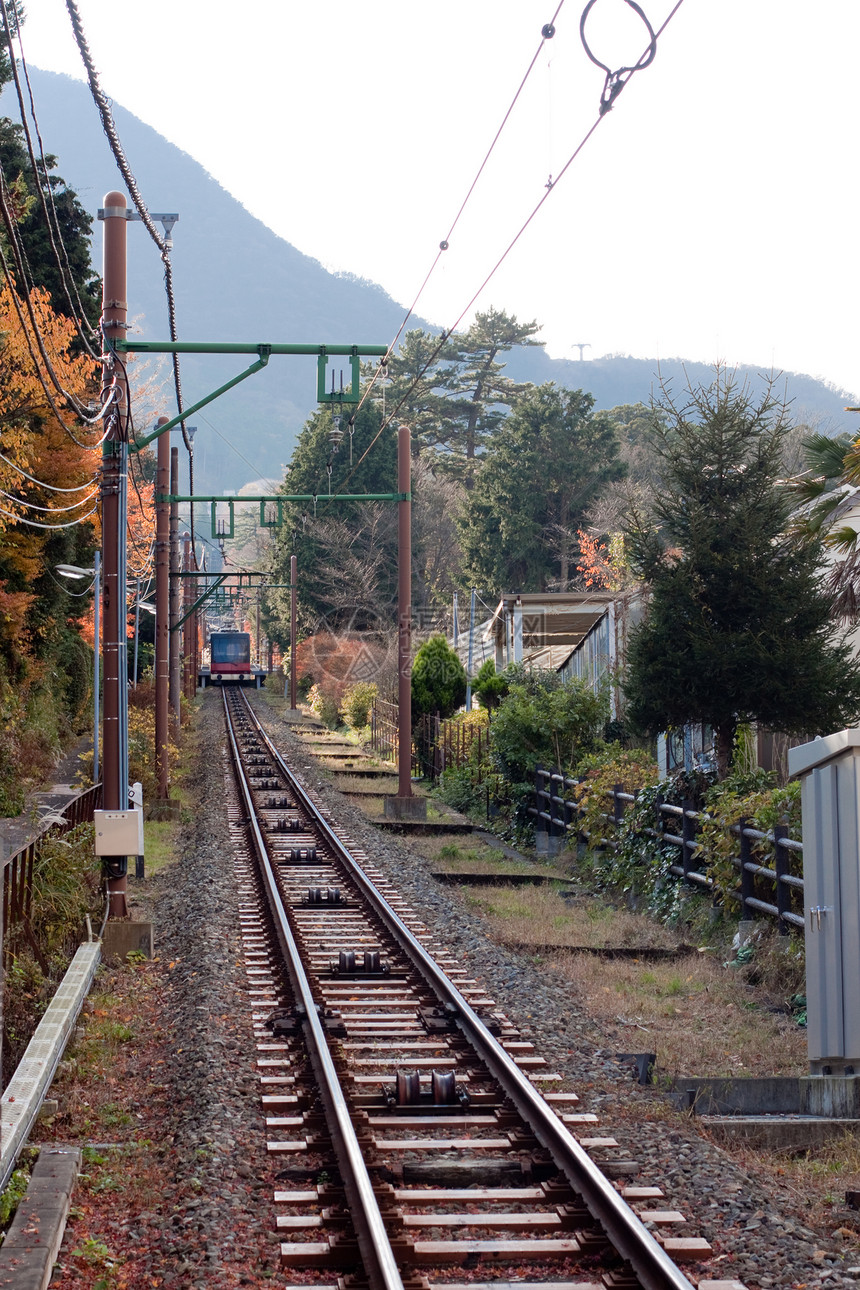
(236, 280)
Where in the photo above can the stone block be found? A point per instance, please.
(121, 937)
(405, 808)
(34, 1238)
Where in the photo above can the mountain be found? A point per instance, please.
(236, 280)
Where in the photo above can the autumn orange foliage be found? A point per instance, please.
(336, 662)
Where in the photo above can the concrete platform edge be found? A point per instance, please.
(26, 1090)
(33, 1241)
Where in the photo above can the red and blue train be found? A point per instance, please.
(230, 660)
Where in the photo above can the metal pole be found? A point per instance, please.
(404, 612)
(293, 621)
(471, 652)
(136, 632)
(174, 593)
(114, 462)
(455, 616)
(187, 602)
(162, 616)
(259, 655)
(97, 569)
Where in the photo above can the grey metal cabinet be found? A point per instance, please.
(830, 787)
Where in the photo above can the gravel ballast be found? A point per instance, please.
(214, 1226)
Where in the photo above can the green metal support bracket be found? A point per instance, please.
(201, 403)
(200, 599)
(226, 533)
(233, 499)
(278, 521)
(350, 395)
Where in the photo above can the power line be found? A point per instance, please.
(41, 483)
(42, 182)
(643, 62)
(35, 360)
(47, 510)
(34, 524)
(110, 130)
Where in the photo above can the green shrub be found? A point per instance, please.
(325, 706)
(438, 680)
(542, 722)
(356, 702)
(489, 686)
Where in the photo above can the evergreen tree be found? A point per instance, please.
(454, 393)
(546, 464)
(438, 680)
(738, 628)
(346, 551)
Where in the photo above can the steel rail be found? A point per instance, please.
(629, 1236)
(378, 1259)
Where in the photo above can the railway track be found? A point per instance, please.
(403, 1109)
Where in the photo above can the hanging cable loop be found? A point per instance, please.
(615, 81)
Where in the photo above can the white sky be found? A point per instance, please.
(712, 215)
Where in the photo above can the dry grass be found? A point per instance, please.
(815, 1182)
(542, 916)
(361, 783)
(374, 808)
(700, 1016)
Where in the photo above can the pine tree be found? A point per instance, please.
(738, 628)
(546, 464)
(454, 393)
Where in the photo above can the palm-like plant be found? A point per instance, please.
(826, 489)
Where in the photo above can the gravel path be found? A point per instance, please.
(757, 1233)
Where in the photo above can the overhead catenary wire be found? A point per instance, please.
(602, 114)
(547, 33)
(112, 135)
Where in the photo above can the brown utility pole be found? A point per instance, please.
(259, 652)
(294, 588)
(113, 484)
(174, 593)
(162, 615)
(404, 613)
(187, 602)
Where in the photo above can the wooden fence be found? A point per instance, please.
(556, 813)
(18, 875)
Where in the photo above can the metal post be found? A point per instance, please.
(471, 652)
(114, 463)
(97, 588)
(404, 611)
(162, 614)
(136, 632)
(293, 621)
(173, 608)
(187, 602)
(456, 624)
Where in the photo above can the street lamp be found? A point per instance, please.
(73, 571)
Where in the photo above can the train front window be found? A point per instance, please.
(230, 647)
